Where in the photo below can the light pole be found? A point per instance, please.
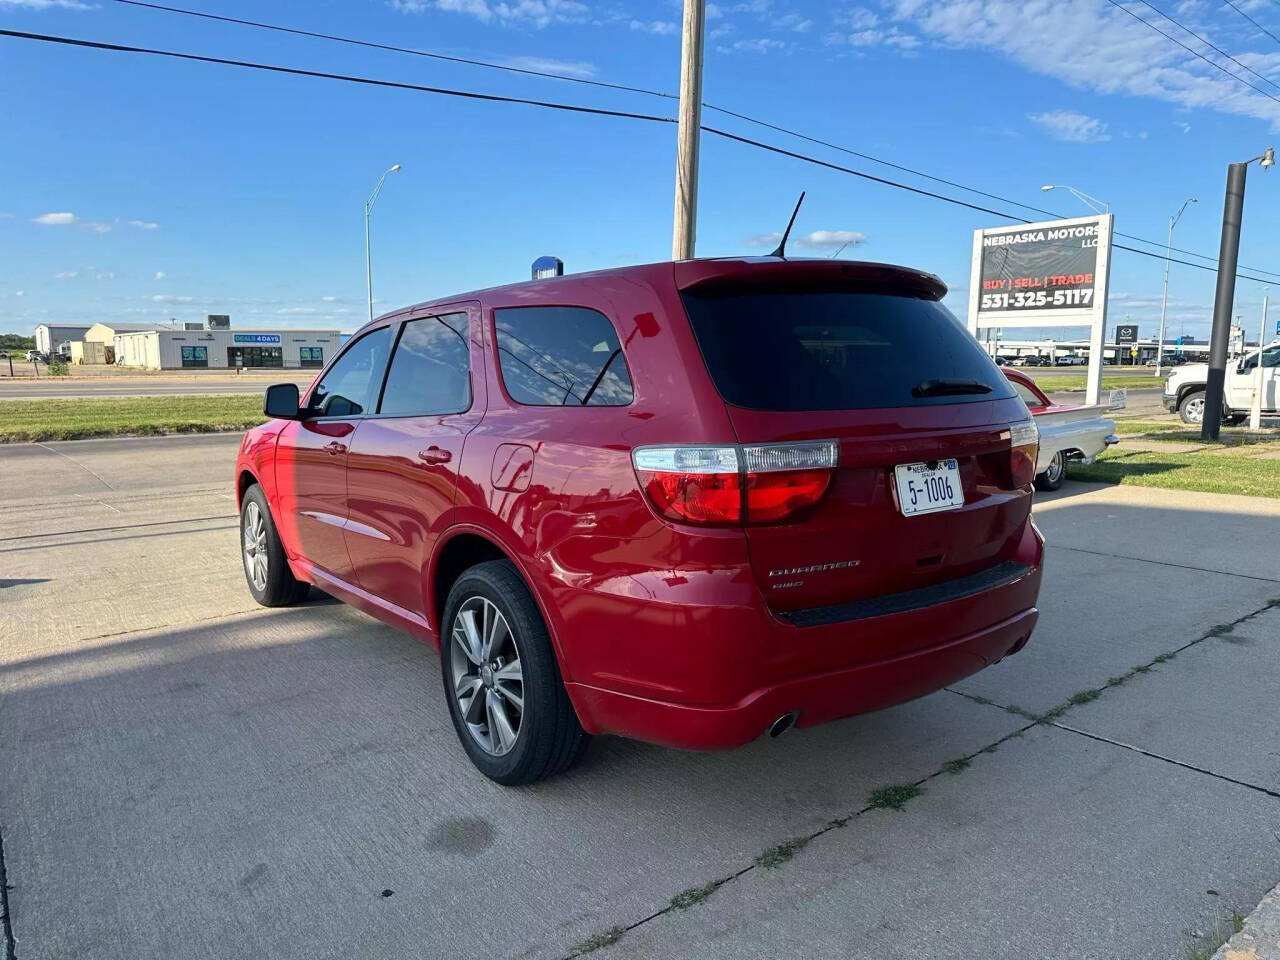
(1224, 295)
(1093, 203)
(368, 208)
(1255, 408)
(1164, 296)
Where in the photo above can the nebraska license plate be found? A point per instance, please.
(929, 487)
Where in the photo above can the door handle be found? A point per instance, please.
(334, 447)
(434, 454)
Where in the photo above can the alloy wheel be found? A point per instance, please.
(1195, 410)
(488, 682)
(255, 546)
(1057, 466)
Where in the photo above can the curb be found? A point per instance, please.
(1260, 938)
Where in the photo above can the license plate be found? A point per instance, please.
(929, 487)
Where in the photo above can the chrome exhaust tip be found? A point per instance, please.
(783, 724)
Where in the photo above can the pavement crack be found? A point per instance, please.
(1166, 563)
(6, 920)
(87, 470)
(1159, 756)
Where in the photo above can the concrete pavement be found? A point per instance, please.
(189, 775)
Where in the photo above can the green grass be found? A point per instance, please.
(956, 766)
(1073, 382)
(693, 896)
(599, 941)
(1210, 469)
(777, 856)
(1173, 431)
(30, 420)
(895, 797)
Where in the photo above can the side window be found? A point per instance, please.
(351, 386)
(1027, 395)
(430, 369)
(561, 356)
(1271, 358)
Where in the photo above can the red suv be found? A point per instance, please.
(685, 502)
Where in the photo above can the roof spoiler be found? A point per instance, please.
(755, 273)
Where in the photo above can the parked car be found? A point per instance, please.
(1000, 361)
(689, 503)
(37, 356)
(1067, 432)
(1029, 361)
(1070, 360)
(1184, 388)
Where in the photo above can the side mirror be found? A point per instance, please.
(282, 401)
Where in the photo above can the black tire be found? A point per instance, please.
(1191, 407)
(275, 586)
(1055, 474)
(549, 738)
(1234, 419)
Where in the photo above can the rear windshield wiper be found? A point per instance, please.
(948, 388)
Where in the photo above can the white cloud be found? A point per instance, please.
(66, 275)
(168, 298)
(99, 227)
(757, 45)
(661, 28)
(539, 13)
(19, 293)
(45, 4)
(105, 275)
(55, 219)
(159, 274)
(571, 68)
(144, 224)
(1186, 127)
(1070, 126)
(289, 311)
(329, 299)
(794, 22)
(1097, 47)
(814, 240)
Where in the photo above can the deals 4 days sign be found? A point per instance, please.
(1052, 269)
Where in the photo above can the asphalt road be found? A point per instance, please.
(24, 388)
(187, 774)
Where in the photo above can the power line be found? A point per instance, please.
(1251, 20)
(551, 105)
(1210, 45)
(412, 51)
(325, 75)
(552, 75)
(1195, 53)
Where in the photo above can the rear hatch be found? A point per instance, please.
(867, 356)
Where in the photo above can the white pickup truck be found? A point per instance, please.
(1066, 432)
(1184, 388)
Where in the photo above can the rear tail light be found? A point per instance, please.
(1024, 446)
(730, 485)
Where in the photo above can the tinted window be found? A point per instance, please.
(561, 356)
(836, 350)
(1270, 360)
(351, 385)
(430, 369)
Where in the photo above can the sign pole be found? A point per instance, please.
(1255, 411)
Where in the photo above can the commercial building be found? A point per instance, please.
(162, 349)
(98, 346)
(51, 336)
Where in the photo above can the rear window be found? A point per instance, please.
(561, 356)
(837, 350)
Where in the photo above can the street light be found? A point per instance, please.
(368, 208)
(1164, 296)
(1224, 295)
(1093, 203)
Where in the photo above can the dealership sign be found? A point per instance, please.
(1050, 274)
(255, 337)
(1127, 333)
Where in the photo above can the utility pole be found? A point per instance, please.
(1255, 409)
(685, 228)
(1224, 297)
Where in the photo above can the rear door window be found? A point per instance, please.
(561, 356)
(838, 350)
(430, 370)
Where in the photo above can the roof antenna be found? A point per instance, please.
(781, 252)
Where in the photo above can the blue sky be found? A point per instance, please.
(139, 189)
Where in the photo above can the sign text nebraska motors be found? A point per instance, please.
(1042, 268)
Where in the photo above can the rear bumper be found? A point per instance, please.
(717, 676)
(817, 698)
